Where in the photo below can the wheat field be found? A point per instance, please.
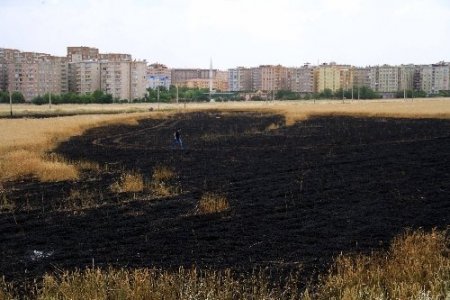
(26, 142)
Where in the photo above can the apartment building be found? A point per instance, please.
(327, 76)
(440, 77)
(406, 77)
(423, 78)
(77, 54)
(114, 57)
(32, 73)
(274, 78)
(302, 79)
(239, 79)
(385, 79)
(181, 76)
(84, 76)
(158, 75)
(361, 77)
(124, 79)
(256, 79)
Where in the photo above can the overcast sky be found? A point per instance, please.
(186, 33)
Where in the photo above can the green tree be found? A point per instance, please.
(326, 94)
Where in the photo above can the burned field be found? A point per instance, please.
(299, 195)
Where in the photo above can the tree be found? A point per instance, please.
(326, 94)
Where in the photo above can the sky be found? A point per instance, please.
(188, 33)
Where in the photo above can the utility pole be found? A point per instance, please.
(10, 102)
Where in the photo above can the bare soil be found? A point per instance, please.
(299, 195)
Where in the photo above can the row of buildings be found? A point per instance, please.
(84, 70)
(386, 80)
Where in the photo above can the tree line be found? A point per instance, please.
(162, 94)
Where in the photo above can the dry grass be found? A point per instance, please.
(24, 144)
(29, 139)
(159, 284)
(211, 203)
(129, 182)
(417, 266)
(163, 173)
(163, 184)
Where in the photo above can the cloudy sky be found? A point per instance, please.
(186, 33)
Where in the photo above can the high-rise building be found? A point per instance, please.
(274, 78)
(385, 79)
(84, 76)
(302, 79)
(332, 76)
(361, 77)
(240, 79)
(406, 78)
(440, 77)
(32, 73)
(113, 73)
(256, 79)
(76, 54)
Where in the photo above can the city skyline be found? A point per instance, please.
(184, 34)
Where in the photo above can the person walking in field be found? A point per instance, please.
(177, 139)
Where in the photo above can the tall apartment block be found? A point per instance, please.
(361, 77)
(440, 77)
(332, 76)
(199, 78)
(158, 75)
(274, 78)
(302, 79)
(406, 77)
(240, 79)
(76, 54)
(123, 79)
(113, 73)
(32, 73)
(385, 79)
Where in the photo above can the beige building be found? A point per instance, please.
(334, 77)
(180, 76)
(32, 73)
(274, 78)
(84, 77)
(361, 77)
(113, 73)
(76, 54)
(124, 79)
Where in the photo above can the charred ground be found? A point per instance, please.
(299, 194)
